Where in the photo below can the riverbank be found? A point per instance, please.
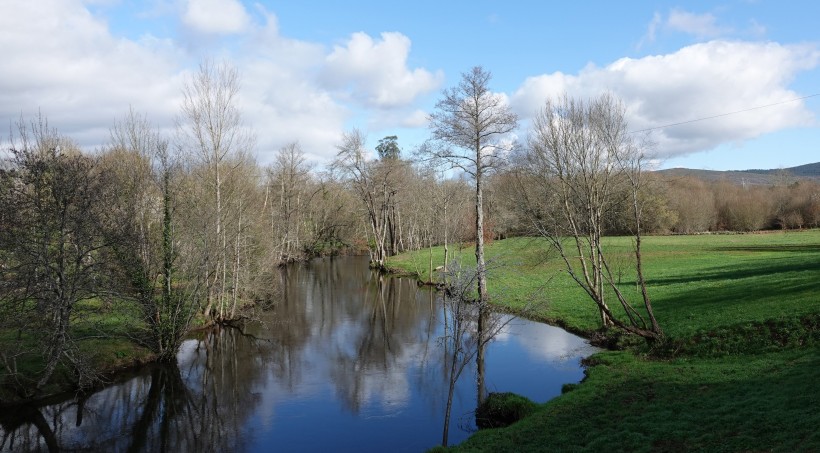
(742, 316)
(345, 348)
(107, 337)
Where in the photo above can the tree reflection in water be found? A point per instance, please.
(352, 353)
(196, 405)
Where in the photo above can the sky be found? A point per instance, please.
(743, 76)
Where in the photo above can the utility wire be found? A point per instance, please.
(725, 114)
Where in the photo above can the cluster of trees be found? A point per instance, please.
(188, 223)
(185, 225)
(164, 227)
(684, 205)
(696, 205)
(400, 201)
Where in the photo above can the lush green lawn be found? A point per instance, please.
(749, 403)
(696, 282)
(755, 296)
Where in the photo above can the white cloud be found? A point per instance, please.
(61, 60)
(280, 97)
(652, 29)
(699, 25)
(697, 81)
(282, 106)
(216, 16)
(376, 72)
(417, 118)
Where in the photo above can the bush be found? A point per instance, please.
(502, 409)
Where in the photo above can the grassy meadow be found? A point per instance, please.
(738, 371)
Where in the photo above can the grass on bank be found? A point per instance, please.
(697, 283)
(105, 336)
(743, 316)
(744, 403)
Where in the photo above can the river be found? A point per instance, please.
(347, 360)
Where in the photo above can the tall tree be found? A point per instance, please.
(468, 130)
(141, 226)
(374, 181)
(210, 127)
(580, 162)
(388, 147)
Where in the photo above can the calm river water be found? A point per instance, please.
(347, 361)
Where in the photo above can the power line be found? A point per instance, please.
(725, 114)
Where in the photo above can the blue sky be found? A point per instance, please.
(312, 69)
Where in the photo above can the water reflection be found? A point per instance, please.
(348, 360)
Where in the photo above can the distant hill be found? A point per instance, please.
(756, 177)
(808, 170)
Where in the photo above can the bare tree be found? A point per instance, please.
(468, 130)
(142, 227)
(375, 183)
(287, 196)
(580, 161)
(51, 246)
(211, 128)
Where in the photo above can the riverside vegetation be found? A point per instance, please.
(736, 371)
(108, 259)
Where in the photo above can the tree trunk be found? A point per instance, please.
(479, 240)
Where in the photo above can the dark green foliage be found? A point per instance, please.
(566, 388)
(502, 409)
(388, 148)
(747, 338)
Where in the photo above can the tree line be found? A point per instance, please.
(187, 225)
(183, 227)
(687, 205)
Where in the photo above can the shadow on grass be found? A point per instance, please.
(763, 268)
(731, 295)
(678, 407)
(736, 300)
(804, 248)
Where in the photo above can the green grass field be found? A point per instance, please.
(765, 402)
(696, 282)
(739, 371)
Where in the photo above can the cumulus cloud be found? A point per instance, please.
(376, 72)
(280, 99)
(282, 106)
(215, 16)
(697, 81)
(61, 60)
